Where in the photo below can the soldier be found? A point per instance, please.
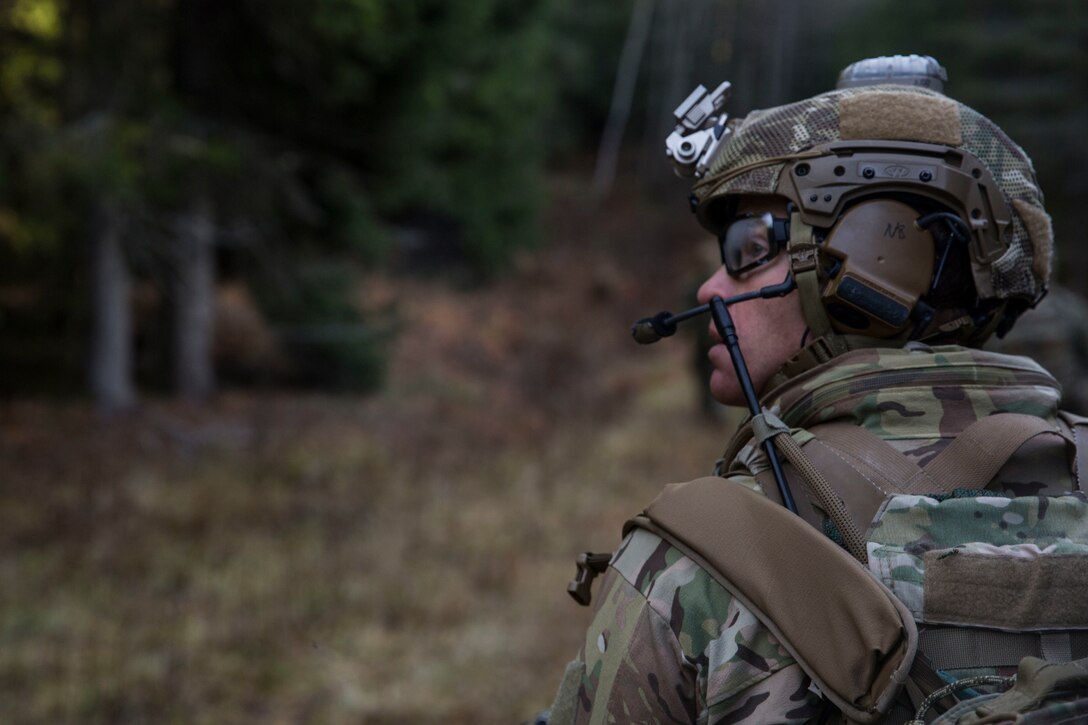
(872, 238)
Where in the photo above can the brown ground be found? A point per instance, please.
(399, 558)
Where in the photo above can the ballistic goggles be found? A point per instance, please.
(752, 240)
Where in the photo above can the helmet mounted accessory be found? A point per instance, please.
(874, 281)
(922, 71)
(873, 203)
(700, 130)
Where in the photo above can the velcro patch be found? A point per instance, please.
(1007, 592)
(900, 117)
(1037, 222)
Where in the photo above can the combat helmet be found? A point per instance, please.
(887, 178)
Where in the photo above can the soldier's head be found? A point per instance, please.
(902, 215)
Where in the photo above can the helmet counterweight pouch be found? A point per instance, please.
(862, 647)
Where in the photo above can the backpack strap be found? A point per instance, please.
(866, 468)
(824, 495)
(887, 466)
(976, 455)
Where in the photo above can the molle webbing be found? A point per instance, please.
(957, 648)
(863, 647)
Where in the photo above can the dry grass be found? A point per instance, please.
(403, 558)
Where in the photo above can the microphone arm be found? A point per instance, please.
(651, 329)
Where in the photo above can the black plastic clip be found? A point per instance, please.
(589, 566)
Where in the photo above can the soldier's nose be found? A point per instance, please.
(717, 284)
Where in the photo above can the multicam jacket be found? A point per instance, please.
(669, 644)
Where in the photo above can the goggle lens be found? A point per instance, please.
(751, 241)
(748, 243)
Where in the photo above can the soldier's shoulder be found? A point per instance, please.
(731, 649)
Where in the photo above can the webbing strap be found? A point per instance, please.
(866, 468)
(1079, 424)
(871, 451)
(766, 425)
(804, 267)
(861, 488)
(1056, 646)
(923, 682)
(978, 453)
(952, 648)
(853, 538)
(970, 461)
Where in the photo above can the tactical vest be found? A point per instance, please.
(915, 571)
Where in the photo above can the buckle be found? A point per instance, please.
(589, 566)
(803, 257)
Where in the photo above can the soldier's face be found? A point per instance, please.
(770, 331)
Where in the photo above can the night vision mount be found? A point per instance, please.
(700, 130)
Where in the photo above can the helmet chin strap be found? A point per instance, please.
(823, 342)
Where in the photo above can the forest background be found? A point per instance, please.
(313, 325)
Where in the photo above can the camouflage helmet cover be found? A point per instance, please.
(767, 143)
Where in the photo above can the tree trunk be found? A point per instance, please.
(679, 45)
(110, 368)
(623, 93)
(193, 303)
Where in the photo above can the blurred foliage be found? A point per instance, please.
(327, 341)
(437, 107)
(332, 134)
(413, 134)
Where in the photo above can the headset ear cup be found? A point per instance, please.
(885, 264)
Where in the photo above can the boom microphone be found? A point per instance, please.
(649, 330)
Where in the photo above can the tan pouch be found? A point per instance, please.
(844, 628)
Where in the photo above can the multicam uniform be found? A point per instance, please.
(669, 644)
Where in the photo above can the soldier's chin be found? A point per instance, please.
(725, 388)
